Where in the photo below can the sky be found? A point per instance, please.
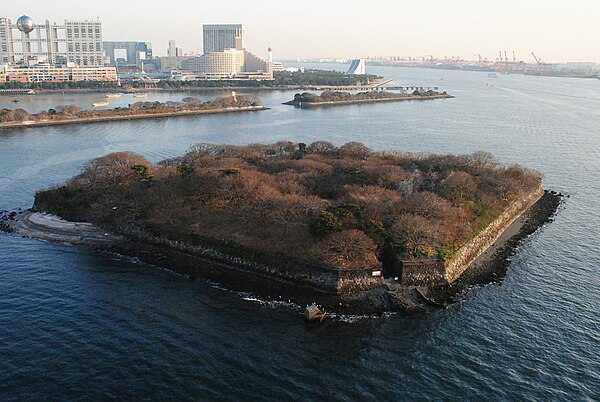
(556, 31)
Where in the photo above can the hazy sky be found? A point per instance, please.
(555, 30)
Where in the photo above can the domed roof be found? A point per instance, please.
(25, 24)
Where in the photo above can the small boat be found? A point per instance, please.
(492, 75)
(140, 95)
(314, 313)
(98, 104)
(15, 101)
(117, 95)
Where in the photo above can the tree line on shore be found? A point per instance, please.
(340, 96)
(343, 206)
(71, 112)
(281, 78)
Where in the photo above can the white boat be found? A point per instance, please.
(117, 95)
(140, 95)
(99, 104)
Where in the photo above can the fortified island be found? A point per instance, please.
(60, 115)
(335, 98)
(347, 228)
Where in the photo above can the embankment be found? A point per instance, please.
(105, 119)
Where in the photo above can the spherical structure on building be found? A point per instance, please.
(25, 24)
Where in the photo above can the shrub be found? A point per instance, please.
(325, 223)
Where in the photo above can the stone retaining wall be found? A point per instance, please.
(322, 278)
(429, 273)
(473, 248)
(423, 273)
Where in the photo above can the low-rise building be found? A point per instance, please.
(52, 73)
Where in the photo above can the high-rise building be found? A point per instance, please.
(173, 50)
(75, 42)
(217, 38)
(127, 53)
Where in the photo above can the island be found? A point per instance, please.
(335, 98)
(344, 227)
(69, 114)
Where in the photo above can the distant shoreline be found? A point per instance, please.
(104, 119)
(293, 87)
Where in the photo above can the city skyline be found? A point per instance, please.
(556, 33)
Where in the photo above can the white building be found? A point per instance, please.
(225, 57)
(231, 63)
(227, 63)
(76, 42)
(51, 73)
(358, 67)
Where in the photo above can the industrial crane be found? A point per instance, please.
(538, 61)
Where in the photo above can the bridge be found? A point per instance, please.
(410, 88)
(7, 92)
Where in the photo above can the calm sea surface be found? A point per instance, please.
(78, 324)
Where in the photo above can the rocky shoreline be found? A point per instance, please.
(487, 268)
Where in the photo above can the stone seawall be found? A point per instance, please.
(431, 274)
(423, 273)
(321, 278)
(473, 248)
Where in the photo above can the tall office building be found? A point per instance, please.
(26, 42)
(217, 38)
(173, 50)
(127, 53)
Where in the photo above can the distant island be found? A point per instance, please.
(351, 229)
(333, 98)
(17, 118)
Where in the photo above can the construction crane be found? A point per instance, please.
(500, 53)
(514, 57)
(505, 57)
(538, 61)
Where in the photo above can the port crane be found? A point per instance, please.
(538, 61)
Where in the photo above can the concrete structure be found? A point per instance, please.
(51, 73)
(218, 37)
(173, 50)
(75, 42)
(127, 53)
(358, 67)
